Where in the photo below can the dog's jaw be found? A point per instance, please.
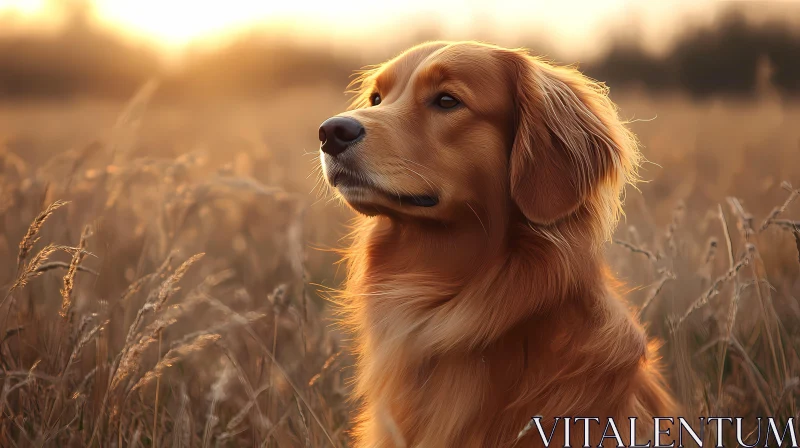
(365, 192)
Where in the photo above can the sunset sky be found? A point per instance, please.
(566, 24)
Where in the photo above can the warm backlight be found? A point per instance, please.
(177, 22)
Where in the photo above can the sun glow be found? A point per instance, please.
(25, 7)
(175, 23)
(178, 22)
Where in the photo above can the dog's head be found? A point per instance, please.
(451, 130)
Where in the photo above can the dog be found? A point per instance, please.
(486, 182)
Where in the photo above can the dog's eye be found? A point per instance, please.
(446, 101)
(375, 99)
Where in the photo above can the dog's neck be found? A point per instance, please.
(439, 276)
(458, 252)
(451, 252)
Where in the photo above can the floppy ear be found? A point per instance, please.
(568, 138)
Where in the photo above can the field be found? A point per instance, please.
(166, 266)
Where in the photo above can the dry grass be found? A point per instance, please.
(171, 301)
(156, 328)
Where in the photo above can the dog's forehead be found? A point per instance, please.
(458, 60)
(404, 65)
(462, 55)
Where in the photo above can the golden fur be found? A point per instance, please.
(495, 305)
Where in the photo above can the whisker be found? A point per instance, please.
(423, 178)
(415, 163)
(479, 219)
(427, 181)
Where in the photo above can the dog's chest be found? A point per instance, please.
(450, 401)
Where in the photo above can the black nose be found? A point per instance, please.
(338, 133)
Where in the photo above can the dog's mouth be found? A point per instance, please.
(353, 187)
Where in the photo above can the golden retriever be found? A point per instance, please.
(486, 182)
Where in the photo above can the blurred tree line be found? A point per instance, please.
(82, 60)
